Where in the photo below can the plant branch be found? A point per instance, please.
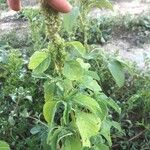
(136, 136)
(37, 120)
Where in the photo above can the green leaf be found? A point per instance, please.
(78, 47)
(108, 101)
(73, 70)
(49, 89)
(37, 58)
(35, 130)
(49, 110)
(60, 135)
(113, 104)
(70, 19)
(89, 103)
(105, 131)
(117, 72)
(91, 84)
(88, 126)
(65, 85)
(100, 147)
(52, 138)
(39, 61)
(72, 143)
(4, 145)
(116, 125)
(104, 109)
(93, 74)
(60, 85)
(84, 65)
(94, 54)
(42, 67)
(122, 62)
(63, 134)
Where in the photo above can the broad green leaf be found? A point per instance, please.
(57, 135)
(100, 147)
(94, 54)
(123, 63)
(49, 89)
(39, 61)
(89, 103)
(73, 70)
(91, 84)
(4, 145)
(37, 58)
(108, 101)
(117, 72)
(102, 96)
(105, 131)
(84, 65)
(97, 139)
(65, 85)
(104, 109)
(49, 110)
(113, 104)
(52, 138)
(60, 85)
(93, 74)
(42, 67)
(72, 143)
(70, 19)
(88, 125)
(64, 134)
(78, 47)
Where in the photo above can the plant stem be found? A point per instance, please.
(136, 136)
(37, 120)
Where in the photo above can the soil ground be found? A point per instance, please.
(125, 42)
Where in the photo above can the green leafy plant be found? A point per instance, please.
(37, 27)
(18, 95)
(75, 107)
(80, 11)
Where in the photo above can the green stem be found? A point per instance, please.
(38, 121)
